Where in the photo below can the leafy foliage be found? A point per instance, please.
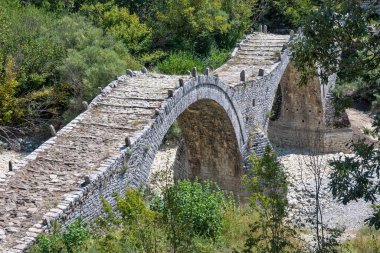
(132, 227)
(9, 107)
(51, 65)
(198, 25)
(283, 14)
(62, 51)
(192, 209)
(356, 177)
(123, 25)
(71, 240)
(139, 225)
(268, 187)
(182, 62)
(338, 37)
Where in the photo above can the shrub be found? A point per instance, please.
(199, 25)
(367, 240)
(192, 209)
(190, 24)
(217, 58)
(152, 59)
(91, 68)
(9, 104)
(180, 63)
(75, 236)
(119, 22)
(173, 135)
(71, 240)
(132, 227)
(57, 62)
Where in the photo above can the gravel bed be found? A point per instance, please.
(301, 195)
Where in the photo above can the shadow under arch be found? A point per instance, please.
(213, 130)
(209, 149)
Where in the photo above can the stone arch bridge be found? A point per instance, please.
(224, 116)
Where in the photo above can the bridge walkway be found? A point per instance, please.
(257, 51)
(124, 108)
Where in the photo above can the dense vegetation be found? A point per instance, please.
(54, 54)
(187, 217)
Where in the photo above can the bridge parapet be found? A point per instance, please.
(137, 108)
(112, 144)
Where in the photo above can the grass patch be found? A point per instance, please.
(217, 58)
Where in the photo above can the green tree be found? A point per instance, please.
(357, 177)
(240, 14)
(283, 14)
(131, 227)
(58, 61)
(73, 239)
(195, 25)
(119, 22)
(9, 105)
(267, 184)
(342, 37)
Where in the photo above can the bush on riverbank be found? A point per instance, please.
(192, 217)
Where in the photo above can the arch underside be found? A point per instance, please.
(213, 132)
(210, 149)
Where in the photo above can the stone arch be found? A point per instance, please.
(207, 105)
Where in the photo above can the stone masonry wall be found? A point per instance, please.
(304, 112)
(231, 122)
(132, 166)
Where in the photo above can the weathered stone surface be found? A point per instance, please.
(303, 117)
(52, 130)
(113, 143)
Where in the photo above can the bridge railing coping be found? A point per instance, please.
(107, 168)
(73, 123)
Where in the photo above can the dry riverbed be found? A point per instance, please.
(301, 195)
(301, 190)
